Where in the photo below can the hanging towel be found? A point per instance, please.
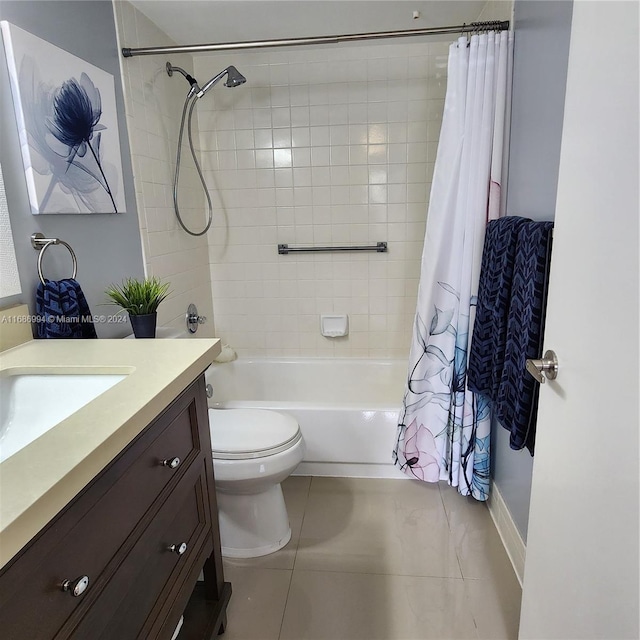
(63, 310)
(510, 322)
(486, 356)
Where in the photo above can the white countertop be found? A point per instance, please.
(39, 480)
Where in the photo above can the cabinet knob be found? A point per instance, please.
(77, 587)
(172, 463)
(178, 548)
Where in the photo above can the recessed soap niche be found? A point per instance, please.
(334, 326)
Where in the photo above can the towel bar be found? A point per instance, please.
(40, 243)
(380, 247)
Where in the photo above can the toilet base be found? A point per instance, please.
(253, 524)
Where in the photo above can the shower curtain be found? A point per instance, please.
(444, 429)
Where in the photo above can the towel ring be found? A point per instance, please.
(39, 242)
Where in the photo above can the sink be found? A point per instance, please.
(33, 403)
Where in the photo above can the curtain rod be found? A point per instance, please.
(493, 25)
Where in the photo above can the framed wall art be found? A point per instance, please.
(68, 127)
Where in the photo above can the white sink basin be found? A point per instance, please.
(32, 404)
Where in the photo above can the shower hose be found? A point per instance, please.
(190, 102)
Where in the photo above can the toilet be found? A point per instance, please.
(254, 450)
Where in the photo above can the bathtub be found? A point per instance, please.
(347, 408)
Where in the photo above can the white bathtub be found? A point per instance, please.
(347, 408)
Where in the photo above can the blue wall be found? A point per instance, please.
(542, 34)
(107, 245)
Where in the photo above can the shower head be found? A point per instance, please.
(234, 79)
(192, 81)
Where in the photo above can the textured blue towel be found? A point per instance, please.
(486, 357)
(509, 324)
(63, 310)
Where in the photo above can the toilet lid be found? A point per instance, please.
(251, 433)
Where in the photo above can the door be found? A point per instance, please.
(581, 572)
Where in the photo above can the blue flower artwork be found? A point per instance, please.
(67, 125)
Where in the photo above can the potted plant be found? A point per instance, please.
(140, 299)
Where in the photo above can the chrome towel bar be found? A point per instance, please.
(380, 247)
(41, 244)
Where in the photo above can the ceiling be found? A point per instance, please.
(213, 21)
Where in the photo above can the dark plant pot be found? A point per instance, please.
(144, 326)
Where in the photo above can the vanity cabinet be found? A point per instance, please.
(122, 559)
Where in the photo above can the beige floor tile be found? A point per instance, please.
(352, 532)
(495, 605)
(481, 553)
(465, 510)
(351, 606)
(376, 526)
(296, 491)
(257, 603)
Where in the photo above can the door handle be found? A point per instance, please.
(547, 365)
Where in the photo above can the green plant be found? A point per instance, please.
(138, 297)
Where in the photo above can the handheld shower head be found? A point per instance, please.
(234, 79)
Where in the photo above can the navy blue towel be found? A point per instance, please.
(509, 325)
(63, 310)
(489, 340)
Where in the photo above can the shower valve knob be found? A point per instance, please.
(194, 319)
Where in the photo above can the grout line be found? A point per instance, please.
(390, 575)
(286, 601)
(455, 546)
(446, 514)
(304, 513)
(295, 556)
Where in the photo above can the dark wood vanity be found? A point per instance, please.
(122, 559)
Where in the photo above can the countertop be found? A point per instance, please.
(39, 480)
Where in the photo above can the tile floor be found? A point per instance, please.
(377, 560)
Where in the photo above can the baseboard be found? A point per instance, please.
(349, 470)
(509, 534)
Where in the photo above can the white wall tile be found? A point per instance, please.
(320, 146)
(153, 103)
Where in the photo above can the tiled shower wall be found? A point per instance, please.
(153, 106)
(321, 146)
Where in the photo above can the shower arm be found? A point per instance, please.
(190, 79)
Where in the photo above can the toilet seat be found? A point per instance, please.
(242, 434)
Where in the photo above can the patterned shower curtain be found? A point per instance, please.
(444, 429)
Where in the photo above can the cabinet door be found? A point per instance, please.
(95, 533)
(167, 553)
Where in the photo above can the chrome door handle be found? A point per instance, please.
(548, 366)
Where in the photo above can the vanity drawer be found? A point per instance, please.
(123, 611)
(102, 525)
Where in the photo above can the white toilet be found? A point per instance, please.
(254, 450)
